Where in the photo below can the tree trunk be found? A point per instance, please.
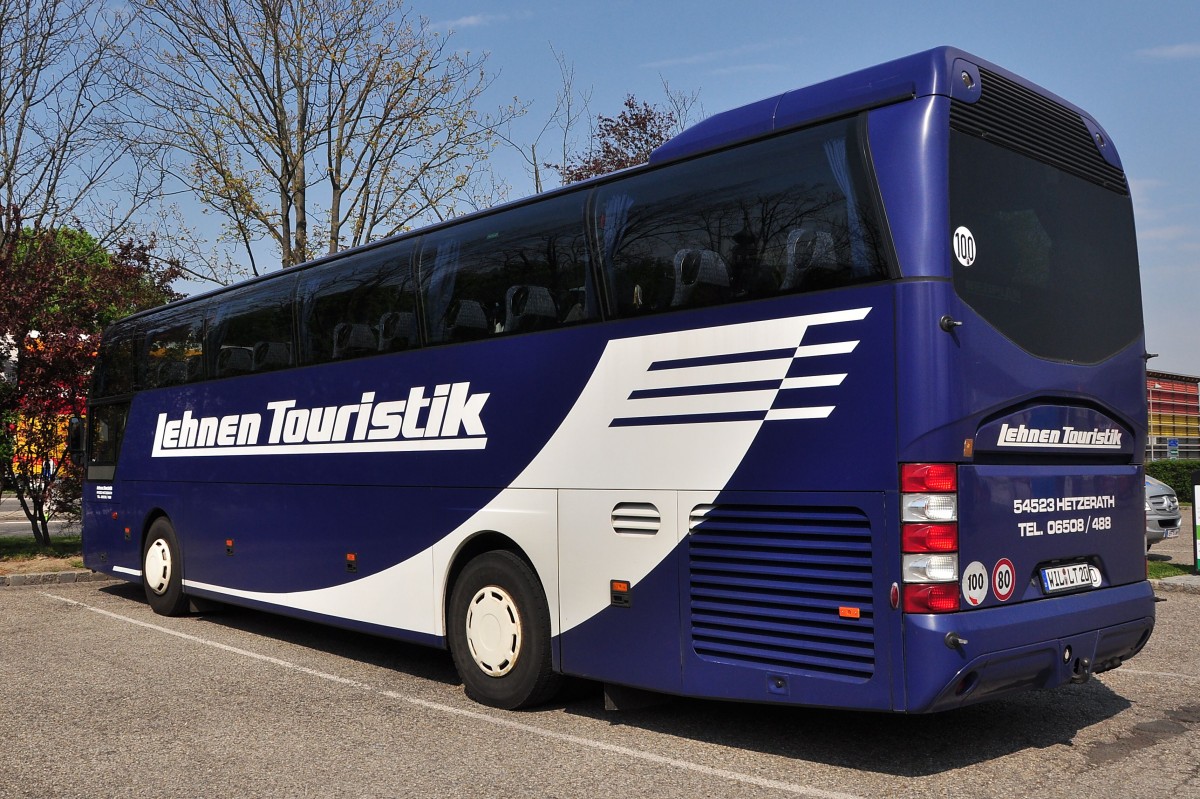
(34, 509)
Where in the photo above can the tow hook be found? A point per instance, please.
(1081, 671)
(955, 641)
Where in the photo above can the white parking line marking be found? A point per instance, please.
(624, 751)
(1164, 674)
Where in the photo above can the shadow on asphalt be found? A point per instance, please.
(419, 661)
(907, 746)
(899, 745)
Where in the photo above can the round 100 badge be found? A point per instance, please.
(975, 584)
(1003, 579)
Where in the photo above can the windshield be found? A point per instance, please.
(1048, 258)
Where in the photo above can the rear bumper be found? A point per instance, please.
(1039, 644)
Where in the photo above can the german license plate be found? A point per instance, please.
(1066, 578)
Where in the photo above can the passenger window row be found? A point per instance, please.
(787, 214)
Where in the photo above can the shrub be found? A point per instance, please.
(1176, 474)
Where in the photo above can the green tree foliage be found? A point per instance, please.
(61, 288)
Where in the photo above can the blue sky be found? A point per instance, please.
(1135, 66)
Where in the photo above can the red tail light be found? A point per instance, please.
(928, 477)
(929, 538)
(931, 598)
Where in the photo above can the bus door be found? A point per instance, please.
(106, 543)
(107, 530)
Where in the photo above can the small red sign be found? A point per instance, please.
(1004, 579)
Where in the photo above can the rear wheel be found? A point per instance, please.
(500, 633)
(162, 570)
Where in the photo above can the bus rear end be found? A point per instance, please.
(1021, 407)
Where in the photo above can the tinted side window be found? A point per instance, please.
(253, 330)
(515, 272)
(174, 351)
(115, 367)
(106, 429)
(792, 213)
(363, 305)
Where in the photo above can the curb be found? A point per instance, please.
(1184, 584)
(52, 578)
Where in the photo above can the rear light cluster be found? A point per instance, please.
(929, 537)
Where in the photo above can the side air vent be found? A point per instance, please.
(636, 518)
(783, 587)
(1020, 119)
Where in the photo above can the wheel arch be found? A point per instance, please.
(472, 547)
(153, 515)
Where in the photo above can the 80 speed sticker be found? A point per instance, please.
(1003, 579)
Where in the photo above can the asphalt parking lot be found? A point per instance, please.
(103, 698)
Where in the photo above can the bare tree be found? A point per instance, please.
(684, 106)
(313, 124)
(570, 108)
(611, 142)
(69, 152)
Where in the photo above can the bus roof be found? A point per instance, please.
(932, 72)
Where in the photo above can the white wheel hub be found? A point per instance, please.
(494, 631)
(157, 568)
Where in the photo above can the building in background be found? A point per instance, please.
(1174, 402)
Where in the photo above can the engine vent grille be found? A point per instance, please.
(776, 586)
(636, 518)
(1023, 120)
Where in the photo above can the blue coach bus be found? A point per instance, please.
(837, 401)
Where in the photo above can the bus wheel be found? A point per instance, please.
(161, 570)
(500, 633)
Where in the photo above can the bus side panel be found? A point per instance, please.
(374, 558)
(829, 427)
(626, 536)
(775, 597)
(284, 539)
(786, 598)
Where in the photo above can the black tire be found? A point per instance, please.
(162, 570)
(499, 629)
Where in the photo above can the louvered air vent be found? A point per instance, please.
(773, 586)
(636, 518)
(1015, 117)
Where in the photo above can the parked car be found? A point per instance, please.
(1162, 512)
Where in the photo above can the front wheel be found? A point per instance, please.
(162, 570)
(500, 633)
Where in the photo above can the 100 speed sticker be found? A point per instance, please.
(975, 584)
